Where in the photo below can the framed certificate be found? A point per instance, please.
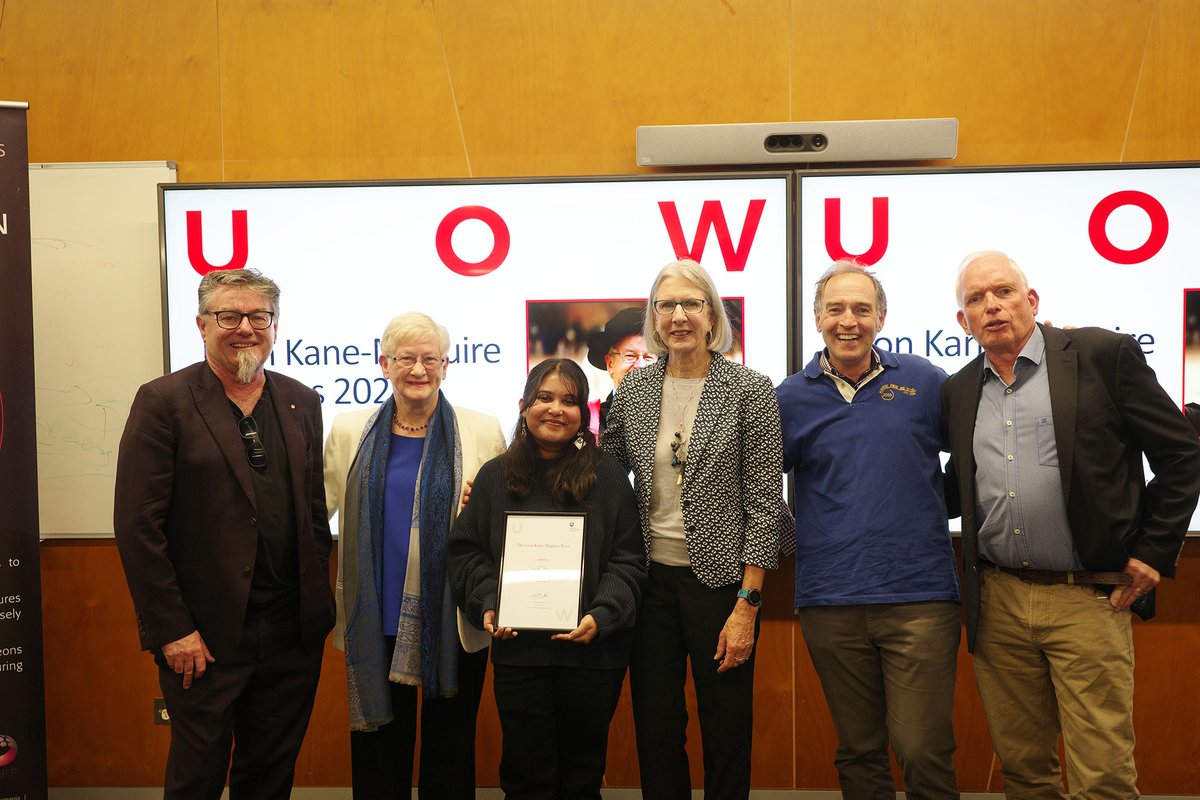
(541, 571)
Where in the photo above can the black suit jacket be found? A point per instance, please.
(1108, 410)
(185, 514)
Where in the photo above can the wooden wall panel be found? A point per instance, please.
(559, 88)
(1030, 81)
(774, 678)
(342, 89)
(1166, 693)
(1164, 124)
(128, 81)
(97, 680)
(100, 688)
(324, 759)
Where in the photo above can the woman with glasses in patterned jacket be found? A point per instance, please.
(701, 435)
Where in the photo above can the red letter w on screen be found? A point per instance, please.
(712, 215)
(195, 244)
(879, 231)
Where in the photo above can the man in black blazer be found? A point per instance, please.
(221, 525)
(1061, 533)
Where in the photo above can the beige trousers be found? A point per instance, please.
(1051, 658)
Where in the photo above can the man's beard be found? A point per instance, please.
(248, 365)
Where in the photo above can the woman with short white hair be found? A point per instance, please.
(395, 474)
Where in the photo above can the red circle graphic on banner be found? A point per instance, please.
(445, 247)
(1158, 227)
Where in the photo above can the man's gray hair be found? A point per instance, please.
(841, 267)
(250, 279)
(1022, 281)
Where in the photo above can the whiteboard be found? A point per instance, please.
(97, 327)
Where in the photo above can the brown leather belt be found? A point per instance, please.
(1049, 577)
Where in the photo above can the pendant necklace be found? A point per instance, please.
(679, 443)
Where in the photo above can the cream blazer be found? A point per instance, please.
(480, 439)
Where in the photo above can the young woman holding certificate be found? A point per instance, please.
(560, 607)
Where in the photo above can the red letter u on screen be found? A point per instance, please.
(879, 231)
(195, 244)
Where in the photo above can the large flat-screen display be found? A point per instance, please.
(1108, 245)
(517, 271)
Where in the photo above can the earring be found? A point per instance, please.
(524, 429)
(579, 439)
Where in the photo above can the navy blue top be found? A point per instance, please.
(870, 509)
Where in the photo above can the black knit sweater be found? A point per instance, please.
(613, 575)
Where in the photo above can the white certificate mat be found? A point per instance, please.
(541, 572)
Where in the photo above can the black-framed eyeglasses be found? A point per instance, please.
(630, 357)
(690, 306)
(232, 320)
(430, 363)
(255, 450)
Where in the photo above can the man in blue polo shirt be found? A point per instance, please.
(876, 586)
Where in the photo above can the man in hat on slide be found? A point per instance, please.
(617, 347)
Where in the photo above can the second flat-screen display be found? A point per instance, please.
(1111, 246)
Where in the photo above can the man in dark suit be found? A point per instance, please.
(221, 525)
(1061, 533)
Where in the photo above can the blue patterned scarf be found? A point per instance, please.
(368, 666)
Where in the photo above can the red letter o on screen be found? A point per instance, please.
(1158, 227)
(445, 247)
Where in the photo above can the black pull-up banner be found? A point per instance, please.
(22, 686)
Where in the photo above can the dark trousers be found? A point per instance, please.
(555, 725)
(888, 674)
(257, 703)
(681, 618)
(381, 762)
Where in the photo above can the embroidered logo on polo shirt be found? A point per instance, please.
(888, 391)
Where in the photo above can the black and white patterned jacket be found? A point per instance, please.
(731, 494)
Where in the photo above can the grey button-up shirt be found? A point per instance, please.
(1018, 488)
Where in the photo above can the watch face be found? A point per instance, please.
(751, 596)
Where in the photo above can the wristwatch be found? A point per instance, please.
(751, 596)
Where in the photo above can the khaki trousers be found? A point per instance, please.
(1051, 658)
